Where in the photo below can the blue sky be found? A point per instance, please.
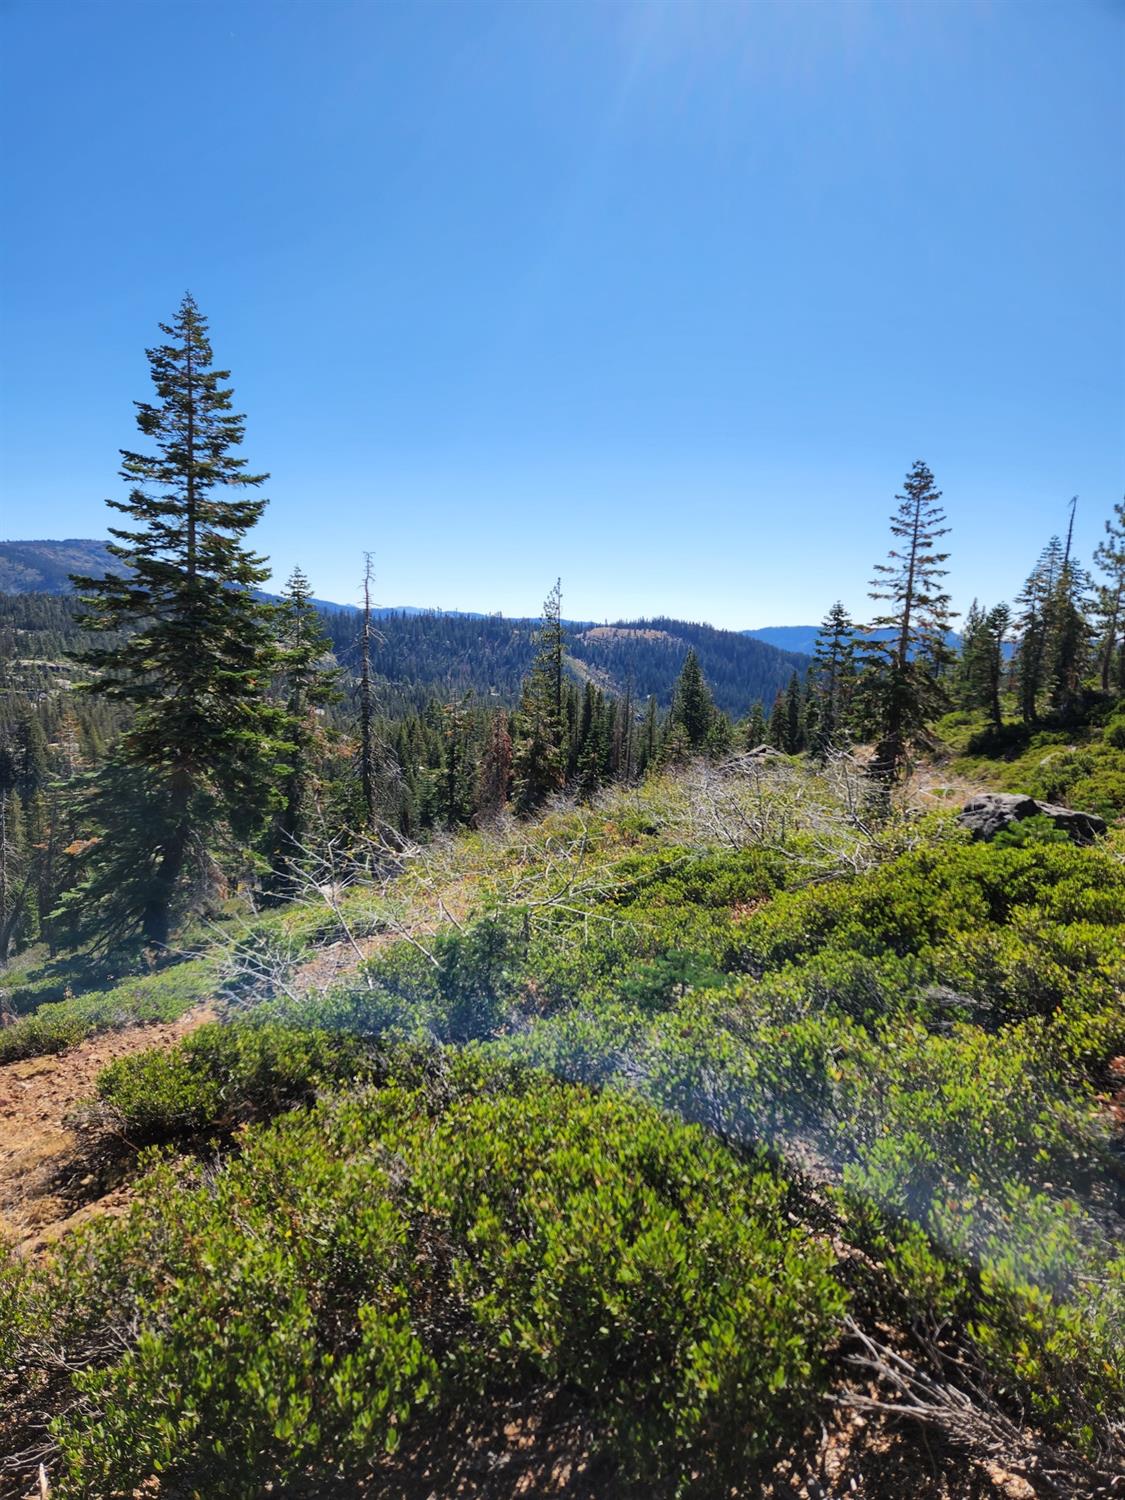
(663, 297)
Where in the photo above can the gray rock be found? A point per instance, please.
(987, 814)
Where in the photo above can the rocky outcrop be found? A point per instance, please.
(987, 814)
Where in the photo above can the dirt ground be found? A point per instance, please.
(44, 1189)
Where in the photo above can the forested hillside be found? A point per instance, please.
(422, 654)
(45, 567)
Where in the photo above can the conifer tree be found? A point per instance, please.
(793, 736)
(457, 766)
(494, 784)
(1037, 600)
(755, 726)
(14, 861)
(593, 754)
(1068, 640)
(833, 677)
(693, 708)
(971, 628)
(623, 735)
(307, 681)
(33, 759)
(810, 711)
(1110, 607)
(540, 754)
(199, 760)
(650, 737)
(982, 659)
(778, 729)
(367, 767)
(906, 656)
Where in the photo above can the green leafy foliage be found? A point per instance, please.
(222, 1076)
(162, 996)
(355, 1268)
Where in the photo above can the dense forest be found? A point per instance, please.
(584, 1059)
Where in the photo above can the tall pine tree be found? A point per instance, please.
(1110, 606)
(834, 677)
(908, 651)
(539, 758)
(1036, 601)
(982, 659)
(693, 707)
(1068, 640)
(307, 681)
(200, 760)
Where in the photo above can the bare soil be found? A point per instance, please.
(45, 1185)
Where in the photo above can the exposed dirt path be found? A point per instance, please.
(327, 965)
(41, 1195)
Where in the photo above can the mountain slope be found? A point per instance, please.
(452, 655)
(787, 637)
(44, 567)
(423, 653)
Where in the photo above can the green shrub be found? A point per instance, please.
(163, 996)
(221, 1076)
(358, 1266)
(1035, 830)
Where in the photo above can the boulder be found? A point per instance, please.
(987, 814)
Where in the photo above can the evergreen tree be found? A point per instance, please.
(971, 629)
(1068, 640)
(778, 731)
(755, 726)
(494, 784)
(458, 769)
(720, 735)
(793, 735)
(1110, 607)
(810, 711)
(1037, 600)
(539, 759)
(905, 660)
(367, 765)
(982, 659)
(307, 682)
(14, 861)
(593, 754)
(623, 737)
(693, 708)
(200, 759)
(833, 677)
(32, 759)
(650, 737)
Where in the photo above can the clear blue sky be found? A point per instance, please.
(663, 297)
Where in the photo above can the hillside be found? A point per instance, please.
(44, 567)
(420, 655)
(704, 1141)
(453, 655)
(787, 637)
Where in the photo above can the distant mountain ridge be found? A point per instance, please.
(788, 637)
(44, 567)
(426, 653)
(803, 638)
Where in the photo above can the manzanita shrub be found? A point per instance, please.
(362, 1268)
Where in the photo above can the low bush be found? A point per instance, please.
(360, 1266)
(223, 1075)
(163, 996)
